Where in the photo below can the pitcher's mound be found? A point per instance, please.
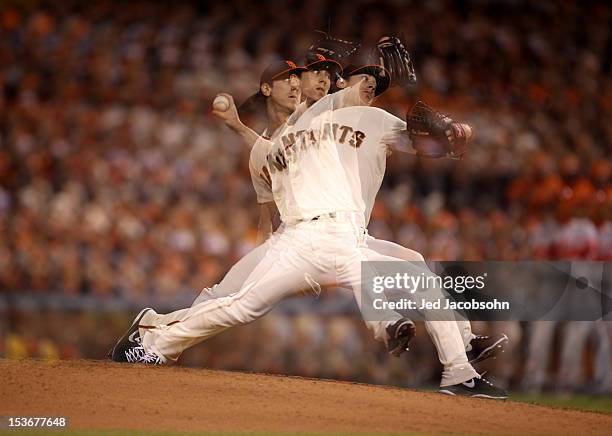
(104, 395)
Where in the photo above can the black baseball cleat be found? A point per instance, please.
(482, 347)
(137, 354)
(477, 388)
(129, 340)
(400, 334)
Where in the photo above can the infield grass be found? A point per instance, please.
(600, 403)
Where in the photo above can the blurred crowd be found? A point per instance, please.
(116, 182)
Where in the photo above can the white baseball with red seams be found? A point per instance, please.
(221, 103)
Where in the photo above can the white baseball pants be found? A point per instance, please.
(240, 271)
(305, 255)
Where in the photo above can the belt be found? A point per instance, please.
(331, 215)
(341, 216)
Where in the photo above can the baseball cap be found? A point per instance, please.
(316, 61)
(253, 107)
(383, 79)
(280, 70)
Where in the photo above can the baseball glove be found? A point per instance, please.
(395, 58)
(336, 49)
(436, 135)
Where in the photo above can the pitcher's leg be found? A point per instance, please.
(391, 249)
(465, 329)
(440, 324)
(212, 317)
(448, 340)
(351, 276)
(236, 276)
(451, 352)
(232, 281)
(274, 279)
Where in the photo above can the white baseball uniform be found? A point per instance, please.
(262, 183)
(322, 204)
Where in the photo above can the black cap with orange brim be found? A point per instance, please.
(316, 61)
(383, 79)
(280, 70)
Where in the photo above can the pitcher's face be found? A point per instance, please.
(315, 84)
(367, 89)
(287, 92)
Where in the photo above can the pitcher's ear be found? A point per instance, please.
(266, 89)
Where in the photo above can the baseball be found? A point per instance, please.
(469, 133)
(221, 103)
(463, 131)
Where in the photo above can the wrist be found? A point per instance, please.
(235, 124)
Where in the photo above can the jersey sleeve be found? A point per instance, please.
(260, 176)
(395, 135)
(348, 97)
(338, 100)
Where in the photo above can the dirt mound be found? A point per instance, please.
(102, 395)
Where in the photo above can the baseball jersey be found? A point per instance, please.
(333, 161)
(363, 159)
(258, 168)
(258, 162)
(307, 176)
(260, 174)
